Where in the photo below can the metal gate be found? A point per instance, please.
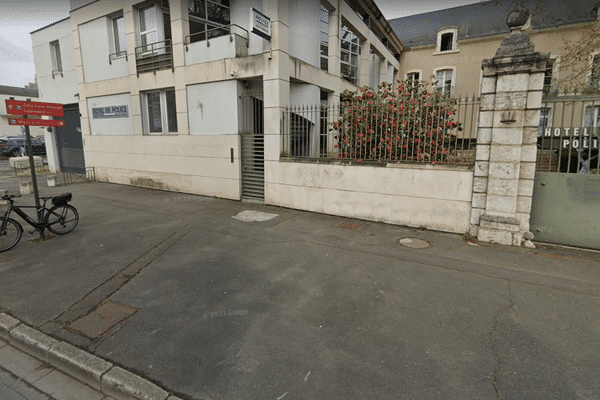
(253, 150)
(69, 143)
(566, 195)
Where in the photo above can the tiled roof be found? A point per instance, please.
(489, 18)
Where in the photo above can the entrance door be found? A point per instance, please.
(253, 150)
(566, 196)
(69, 143)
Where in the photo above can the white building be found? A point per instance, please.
(168, 90)
(54, 60)
(182, 95)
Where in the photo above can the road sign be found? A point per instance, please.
(19, 107)
(36, 122)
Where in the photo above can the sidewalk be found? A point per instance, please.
(175, 289)
(23, 377)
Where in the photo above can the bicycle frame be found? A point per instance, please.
(26, 217)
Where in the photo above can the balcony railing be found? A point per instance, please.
(117, 55)
(154, 56)
(212, 33)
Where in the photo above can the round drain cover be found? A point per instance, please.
(414, 243)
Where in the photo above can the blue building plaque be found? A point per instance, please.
(110, 112)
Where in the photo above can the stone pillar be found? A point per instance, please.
(335, 23)
(383, 71)
(511, 97)
(366, 58)
(276, 89)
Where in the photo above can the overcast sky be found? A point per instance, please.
(18, 18)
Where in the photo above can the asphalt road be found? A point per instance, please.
(308, 306)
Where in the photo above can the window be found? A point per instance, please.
(159, 111)
(548, 76)
(206, 18)
(413, 79)
(324, 24)
(544, 120)
(413, 76)
(444, 82)
(56, 59)
(595, 73)
(350, 50)
(119, 37)
(446, 39)
(148, 27)
(154, 50)
(592, 117)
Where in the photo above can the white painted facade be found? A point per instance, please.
(184, 123)
(54, 86)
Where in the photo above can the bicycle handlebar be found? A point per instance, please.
(9, 196)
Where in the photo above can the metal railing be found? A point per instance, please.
(117, 55)
(154, 56)
(382, 133)
(569, 135)
(213, 33)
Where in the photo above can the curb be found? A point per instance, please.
(100, 374)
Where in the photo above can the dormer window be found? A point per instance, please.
(446, 40)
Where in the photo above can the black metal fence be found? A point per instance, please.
(569, 135)
(362, 131)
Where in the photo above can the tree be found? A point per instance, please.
(410, 124)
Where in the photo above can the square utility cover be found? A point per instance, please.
(102, 319)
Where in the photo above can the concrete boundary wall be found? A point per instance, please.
(198, 164)
(438, 197)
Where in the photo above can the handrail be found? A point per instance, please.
(116, 55)
(187, 39)
(150, 47)
(153, 53)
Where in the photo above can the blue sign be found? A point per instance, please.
(110, 112)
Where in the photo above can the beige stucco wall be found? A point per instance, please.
(438, 197)
(471, 52)
(190, 164)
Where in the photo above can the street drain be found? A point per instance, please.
(413, 243)
(102, 319)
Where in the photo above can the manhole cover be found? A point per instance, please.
(254, 216)
(102, 319)
(414, 243)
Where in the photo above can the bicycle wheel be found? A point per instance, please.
(10, 235)
(61, 219)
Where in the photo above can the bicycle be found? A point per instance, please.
(60, 219)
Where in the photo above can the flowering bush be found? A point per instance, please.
(411, 124)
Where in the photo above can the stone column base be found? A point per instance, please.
(501, 230)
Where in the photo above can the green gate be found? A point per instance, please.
(566, 196)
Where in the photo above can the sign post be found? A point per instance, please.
(26, 108)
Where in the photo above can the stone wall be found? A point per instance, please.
(511, 96)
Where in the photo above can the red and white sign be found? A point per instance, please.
(36, 122)
(19, 107)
